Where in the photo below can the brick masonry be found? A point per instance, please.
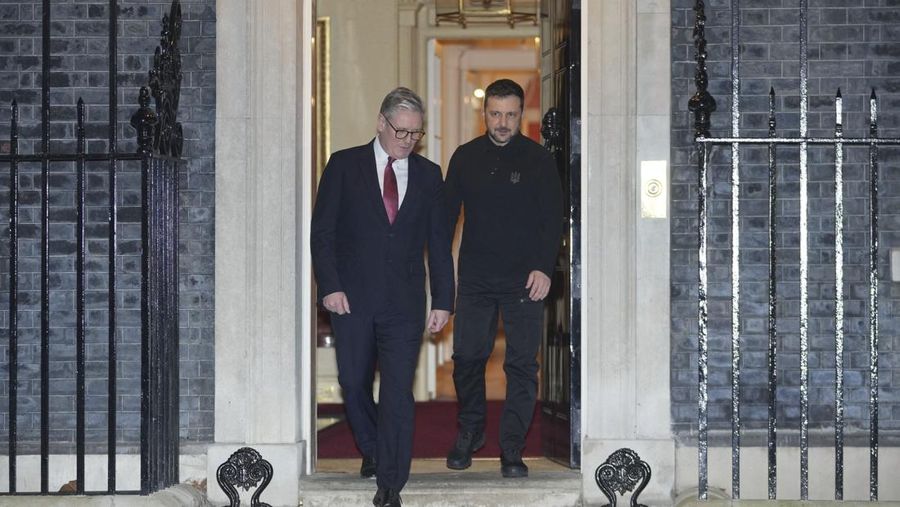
(851, 48)
(79, 69)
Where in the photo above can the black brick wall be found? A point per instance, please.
(79, 69)
(852, 48)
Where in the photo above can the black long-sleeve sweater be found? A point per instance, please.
(512, 204)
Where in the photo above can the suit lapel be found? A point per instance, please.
(369, 175)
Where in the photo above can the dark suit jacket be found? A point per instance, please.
(356, 250)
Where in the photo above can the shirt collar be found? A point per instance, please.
(489, 144)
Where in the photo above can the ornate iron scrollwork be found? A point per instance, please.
(702, 104)
(551, 129)
(144, 120)
(244, 469)
(620, 473)
(165, 85)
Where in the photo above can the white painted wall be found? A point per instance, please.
(364, 65)
(262, 203)
(625, 330)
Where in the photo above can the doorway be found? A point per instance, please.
(449, 70)
(459, 70)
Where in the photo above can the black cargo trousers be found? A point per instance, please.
(474, 332)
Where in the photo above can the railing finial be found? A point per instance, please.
(165, 85)
(143, 120)
(702, 104)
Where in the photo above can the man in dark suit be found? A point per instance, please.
(378, 208)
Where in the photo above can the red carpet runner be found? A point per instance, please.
(434, 435)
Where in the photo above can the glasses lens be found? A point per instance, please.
(416, 134)
(402, 133)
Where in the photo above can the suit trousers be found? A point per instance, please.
(384, 432)
(474, 331)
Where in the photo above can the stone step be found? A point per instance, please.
(449, 489)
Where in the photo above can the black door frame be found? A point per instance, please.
(561, 382)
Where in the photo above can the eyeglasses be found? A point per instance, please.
(402, 133)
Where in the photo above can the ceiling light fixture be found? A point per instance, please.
(508, 12)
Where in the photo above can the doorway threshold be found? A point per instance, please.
(431, 484)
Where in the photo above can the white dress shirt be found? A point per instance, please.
(401, 171)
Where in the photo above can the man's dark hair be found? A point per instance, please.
(505, 88)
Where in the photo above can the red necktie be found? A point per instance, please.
(390, 195)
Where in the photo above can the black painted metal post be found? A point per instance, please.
(79, 305)
(45, 247)
(804, 254)
(112, 251)
(150, 342)
(735, 252)
(173, 324)
(145, 332)
(838, 300)
(873, 299)
(772, 353)
(157, 338)
(13, 291)
(143, 121)
(162, 242)
(703, 324)
(702, 104)
(160, 144)
(160, 343)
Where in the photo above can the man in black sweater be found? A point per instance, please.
(512, 199)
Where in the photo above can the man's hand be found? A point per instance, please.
(437, 319)
(336, 302)
(539, 283)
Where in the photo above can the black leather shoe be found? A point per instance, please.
(393, 499)
(511, 464)
(380, 497)
(467, 442)
(367, 470)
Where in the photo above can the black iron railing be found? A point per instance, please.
(702, 104)
(160, 141)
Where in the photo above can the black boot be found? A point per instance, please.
(511, 464)
(467, 442)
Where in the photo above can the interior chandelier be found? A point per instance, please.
(508, 12)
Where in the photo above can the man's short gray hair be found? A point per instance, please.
(401, 98)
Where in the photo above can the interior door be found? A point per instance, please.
(561, 347)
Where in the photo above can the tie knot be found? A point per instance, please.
(391, 160)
